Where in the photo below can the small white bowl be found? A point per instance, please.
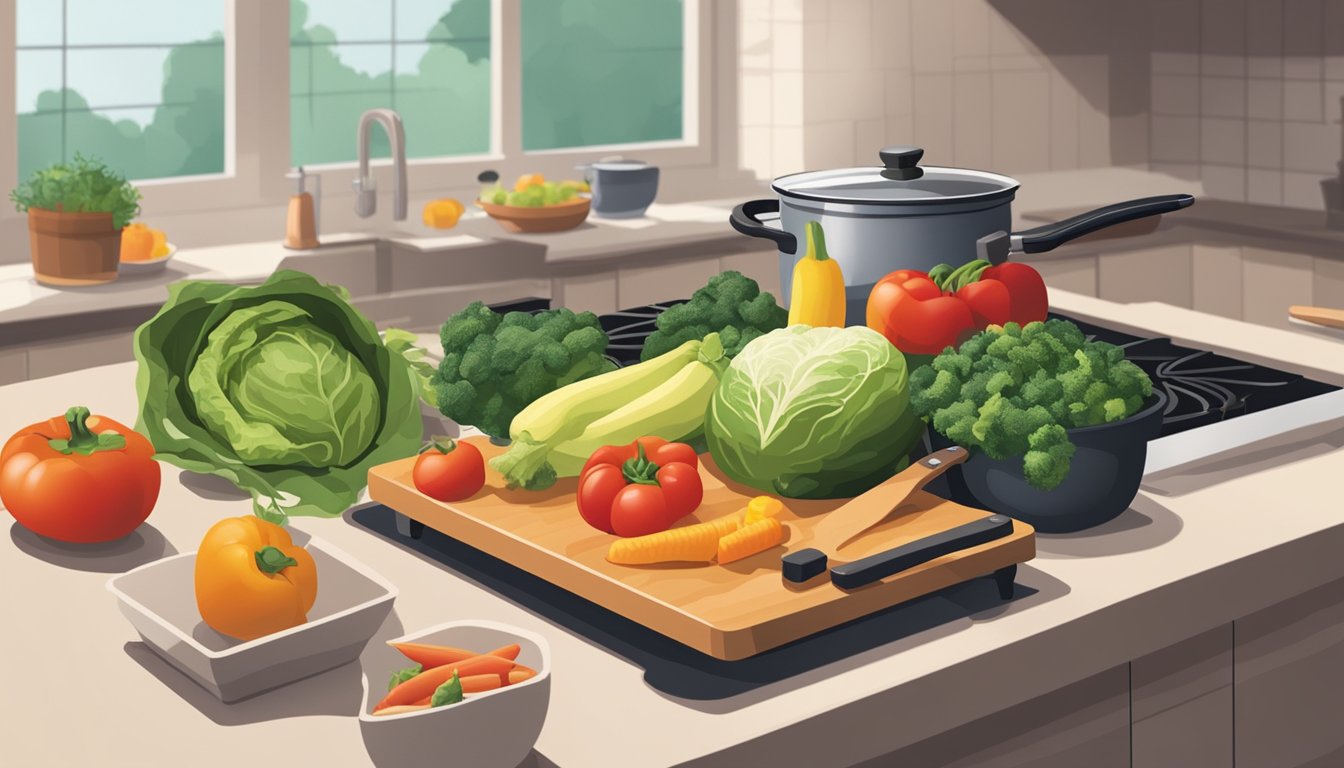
(494, 729)
(147, 266)
(159, 599)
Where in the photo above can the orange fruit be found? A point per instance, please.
(443, 213)
(137, 242)
(529, 180)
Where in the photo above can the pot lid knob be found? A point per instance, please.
(902, 162)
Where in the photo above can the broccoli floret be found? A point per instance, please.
(1015, 391)
(496, 365)
(731, 304)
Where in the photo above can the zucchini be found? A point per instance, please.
(674, 411)
(567, 413)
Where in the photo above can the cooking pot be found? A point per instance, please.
(907, 216)
(622, 189)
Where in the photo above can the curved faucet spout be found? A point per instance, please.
(366, 192)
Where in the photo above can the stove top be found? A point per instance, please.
(1204, 387)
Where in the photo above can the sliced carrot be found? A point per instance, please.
(400, 709)
(423, 684)
(693, 543)
(430, 656)
(762, 507)
(483, 683)
(520, 674)
(751, 539)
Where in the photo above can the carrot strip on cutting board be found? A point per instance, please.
(430, 656)
(750, 540)
(693, 543)
(423, 684)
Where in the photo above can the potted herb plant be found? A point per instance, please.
(76, 212)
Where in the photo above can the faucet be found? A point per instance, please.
(366, 193)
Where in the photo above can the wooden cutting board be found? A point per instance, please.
(726, 611)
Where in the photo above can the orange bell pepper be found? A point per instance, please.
(252, 580)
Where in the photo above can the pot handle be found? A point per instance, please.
(1051, 236)
(745, 220)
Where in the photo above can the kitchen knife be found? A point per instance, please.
(866, 510)
(877, 567)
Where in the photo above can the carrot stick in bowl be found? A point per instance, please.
(430, 656)
(401, 709)
(426, 682)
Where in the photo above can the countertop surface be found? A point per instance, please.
(1193, 552)
(664, 228)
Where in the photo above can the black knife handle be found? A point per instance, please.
(876, 567)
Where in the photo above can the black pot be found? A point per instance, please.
(1104, 475)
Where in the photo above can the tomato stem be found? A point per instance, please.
(441, 443)
(272, 560)
(640, 470)
(83, 440)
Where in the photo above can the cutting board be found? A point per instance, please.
(728, 611)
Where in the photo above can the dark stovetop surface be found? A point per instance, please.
(1204, 387)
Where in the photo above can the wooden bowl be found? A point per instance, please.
(549, 218)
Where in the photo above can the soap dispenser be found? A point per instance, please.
(301, 223)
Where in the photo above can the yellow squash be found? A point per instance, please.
(818, 286)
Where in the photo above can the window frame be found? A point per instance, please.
(257, 129)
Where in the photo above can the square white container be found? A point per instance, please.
(159, 599)
(494, 729)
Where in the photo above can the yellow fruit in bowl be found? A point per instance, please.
(443, 213)
(160, 244)
(137, 242)
(577, 186)
(529, 180)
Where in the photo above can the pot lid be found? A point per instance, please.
(899, 181)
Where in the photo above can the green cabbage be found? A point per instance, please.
(813, 413)
(284, 389)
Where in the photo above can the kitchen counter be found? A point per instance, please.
(1201, 546)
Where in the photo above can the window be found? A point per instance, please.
(601, 72)
(136, 83)
(427, 59)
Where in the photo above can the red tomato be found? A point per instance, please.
(638, 510)
(989, 302)
(682, 488)
(449, 470)
(640, 488)
(914, 314)
(598, 487)
(79, 478)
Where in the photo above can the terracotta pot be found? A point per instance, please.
(73, 248)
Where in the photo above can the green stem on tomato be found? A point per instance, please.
(83, 440)
(440, 443)
(272, 560)
(640, 470)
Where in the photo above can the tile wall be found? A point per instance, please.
(825, 83)
(1247, 95)
(1243, 95)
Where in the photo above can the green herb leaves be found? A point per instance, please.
(84, 185)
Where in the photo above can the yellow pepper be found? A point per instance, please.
(818, 286)
(252, 580)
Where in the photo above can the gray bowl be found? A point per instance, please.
(468, 733)
(159, 599)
